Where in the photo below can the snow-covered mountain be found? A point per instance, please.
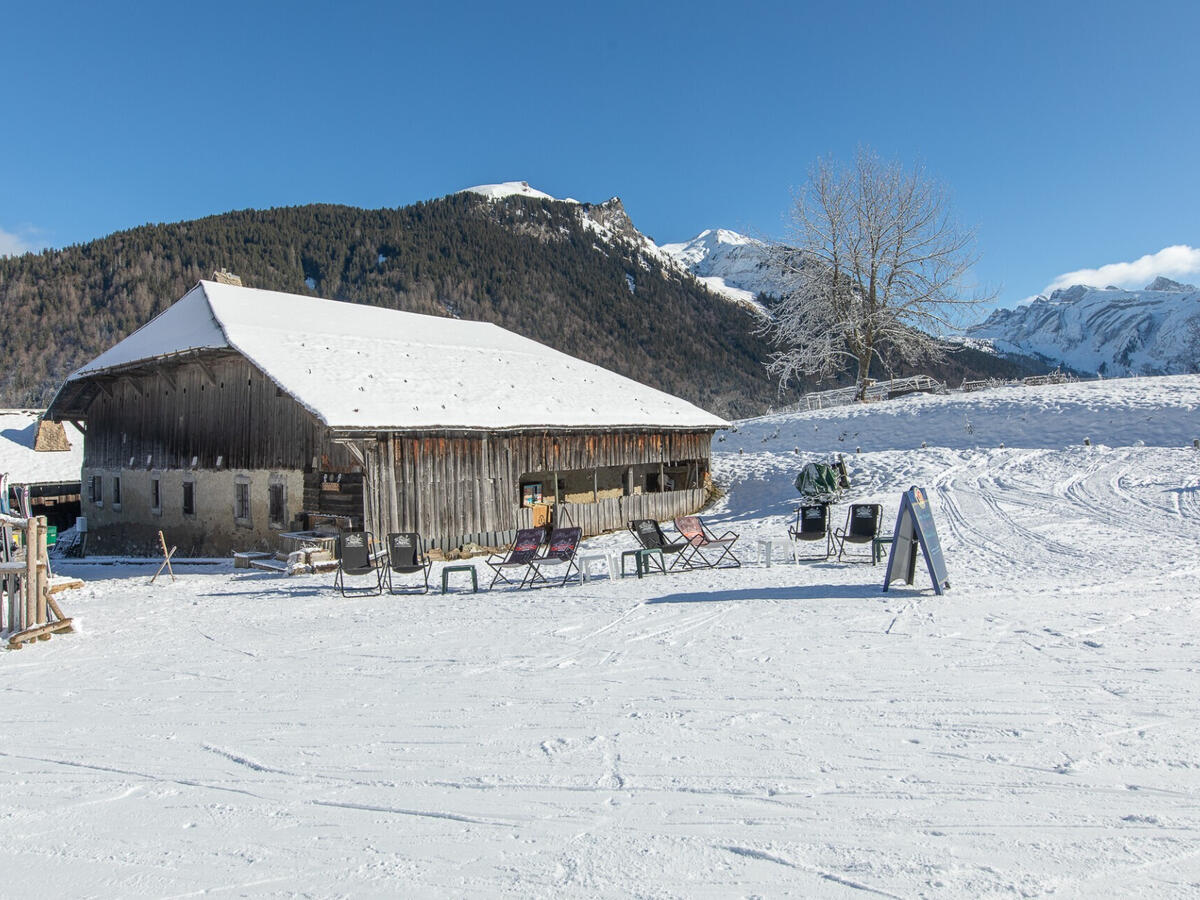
(731, 264)
(1154, 331)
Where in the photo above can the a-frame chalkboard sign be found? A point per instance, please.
(914, 526)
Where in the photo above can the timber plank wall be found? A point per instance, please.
(224, 407)
(450, 488)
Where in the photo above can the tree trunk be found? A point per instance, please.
(864, 369)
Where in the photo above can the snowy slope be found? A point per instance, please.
(731, 264)
(1111, 331)
(782, 731)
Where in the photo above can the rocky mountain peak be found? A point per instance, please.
(1166, 284)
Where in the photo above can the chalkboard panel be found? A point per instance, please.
(915, 528)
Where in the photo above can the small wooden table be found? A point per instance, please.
(301, 540)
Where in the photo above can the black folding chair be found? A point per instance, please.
(703, 542)
(561, 552)
(812, 524)
(862, 527)
(651, 537)
(358, 559)
(406, 556)
(524, 548)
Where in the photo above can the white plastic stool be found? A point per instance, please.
(588, 558)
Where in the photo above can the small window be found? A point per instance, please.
(96, 490)
(156, 495)
(278, 504)
(116, 492)
(189, 498)
(241, 499)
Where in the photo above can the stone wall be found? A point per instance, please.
(132, 526)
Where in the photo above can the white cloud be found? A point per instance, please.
(1178, 262)
(15, 244)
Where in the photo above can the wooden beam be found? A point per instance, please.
(208, 372)
(80, 425)
(166, 376)
(103, 385)
(39, 632)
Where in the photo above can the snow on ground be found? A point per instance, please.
(789, 730)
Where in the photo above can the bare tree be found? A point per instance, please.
(875, 262)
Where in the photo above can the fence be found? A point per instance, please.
(1056, 377)
(28, 611)
(878, 390)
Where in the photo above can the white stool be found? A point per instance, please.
(765, 547)
(588, 558)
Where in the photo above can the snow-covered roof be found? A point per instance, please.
(24, 465)
(357, 366)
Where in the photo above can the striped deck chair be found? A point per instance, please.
(524, 548)
(705, 549)
(561, 552)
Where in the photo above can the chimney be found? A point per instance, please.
(224, 276)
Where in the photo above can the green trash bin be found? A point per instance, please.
(51, 535)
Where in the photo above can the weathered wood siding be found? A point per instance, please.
(449, 487)
(221, 408)
(343, 497)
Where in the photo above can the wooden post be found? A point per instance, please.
(43, 573)
(31, 536)
(166, 563)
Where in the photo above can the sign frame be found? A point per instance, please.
(915, 528)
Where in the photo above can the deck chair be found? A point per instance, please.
(561, 552)
(812, 524)
(358, 558)
(706, 550)
(524, 548)
(651, 537)
(406, 556)
(862, 527)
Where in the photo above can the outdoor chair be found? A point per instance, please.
(812, 524)
(359, 559)
(862, 527)
(706, 550)
(524, 548)
(406, 556)
(651, 537)
(561, 552)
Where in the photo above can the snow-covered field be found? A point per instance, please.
(789, 730)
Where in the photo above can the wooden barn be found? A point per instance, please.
(239, 413)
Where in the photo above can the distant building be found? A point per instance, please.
(45, 456)
(239, 413)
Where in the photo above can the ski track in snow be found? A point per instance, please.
(753, 731)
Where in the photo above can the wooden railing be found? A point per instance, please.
(611, 514)
(28, 612)
(879, 390)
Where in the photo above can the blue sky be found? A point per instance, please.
(1067, 132)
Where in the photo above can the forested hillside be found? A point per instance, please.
(538, 267)
(529, 265)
